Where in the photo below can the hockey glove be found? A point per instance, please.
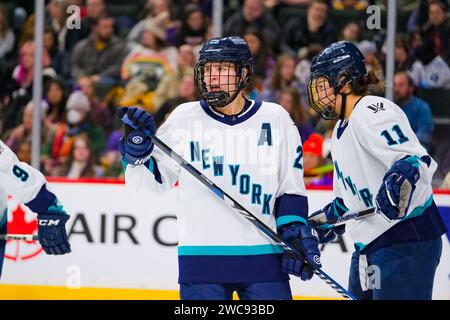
(303, 238)
(136, 146)
(398, 185)
(52, 231)
(332, 211)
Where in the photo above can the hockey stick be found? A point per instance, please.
(319, 217)
(26, 237)
(239, 208)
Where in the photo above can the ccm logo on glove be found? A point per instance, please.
(48, 222)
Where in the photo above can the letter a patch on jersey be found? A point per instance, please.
(265, 135)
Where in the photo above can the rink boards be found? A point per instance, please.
(124, 247)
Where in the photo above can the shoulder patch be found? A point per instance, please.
(375, 107)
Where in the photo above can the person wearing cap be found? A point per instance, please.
(315, 172)
(369, 51)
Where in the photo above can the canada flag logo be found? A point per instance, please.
(21, 221)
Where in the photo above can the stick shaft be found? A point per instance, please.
(319, 217)
(26, 237)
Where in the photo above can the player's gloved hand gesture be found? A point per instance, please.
(395, 192)
(52, 231)
(327, 232)
(136, 146)
(303, 238)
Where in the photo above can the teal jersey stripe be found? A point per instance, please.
(151, 166)
(124, 165)
(4, 217)
(341, 206)
(419, 210)
(228, 250)
(288, 219)
(413, 160)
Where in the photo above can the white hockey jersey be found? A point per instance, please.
(256, 158)
(364, 148)
(17, 178)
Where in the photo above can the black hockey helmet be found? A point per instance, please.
(232, 51)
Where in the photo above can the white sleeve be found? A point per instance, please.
(18, 178)
(161, 172)
(292, 203)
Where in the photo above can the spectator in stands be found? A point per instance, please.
(290, 101)
(55, 97)
(205, 5)
(146, 65)
(57, 39)
(418, 16)
(314, 28)
(302, 73)
(161, 11)
(50, 42)
(100, 55)
(403, 58)
(23, 132)
(80, 162)
(316, 173)
(99, 112)
(436, 33)
(56, 19)
(24, 152)
(418, 111)
(94, 10)
(261, 53)
(78, 122)
(351, 32)
(194, 27)
(23, 73)
(369, 50)
(111, 159)
(253, 14)
(22, 77)
(168, 87)
(7, 37)
(282, 76)
(186, 93)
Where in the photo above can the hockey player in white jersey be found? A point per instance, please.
(28, 186)
(380, 163)
(250, 149)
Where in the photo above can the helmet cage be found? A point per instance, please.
(221, 98)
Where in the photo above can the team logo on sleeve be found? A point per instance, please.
(375, 107)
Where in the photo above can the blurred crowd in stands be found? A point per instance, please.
(143, 52)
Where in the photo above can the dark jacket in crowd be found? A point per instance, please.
(236, 25)
(296, 35)
(87, 61)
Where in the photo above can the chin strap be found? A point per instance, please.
(343, 105)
